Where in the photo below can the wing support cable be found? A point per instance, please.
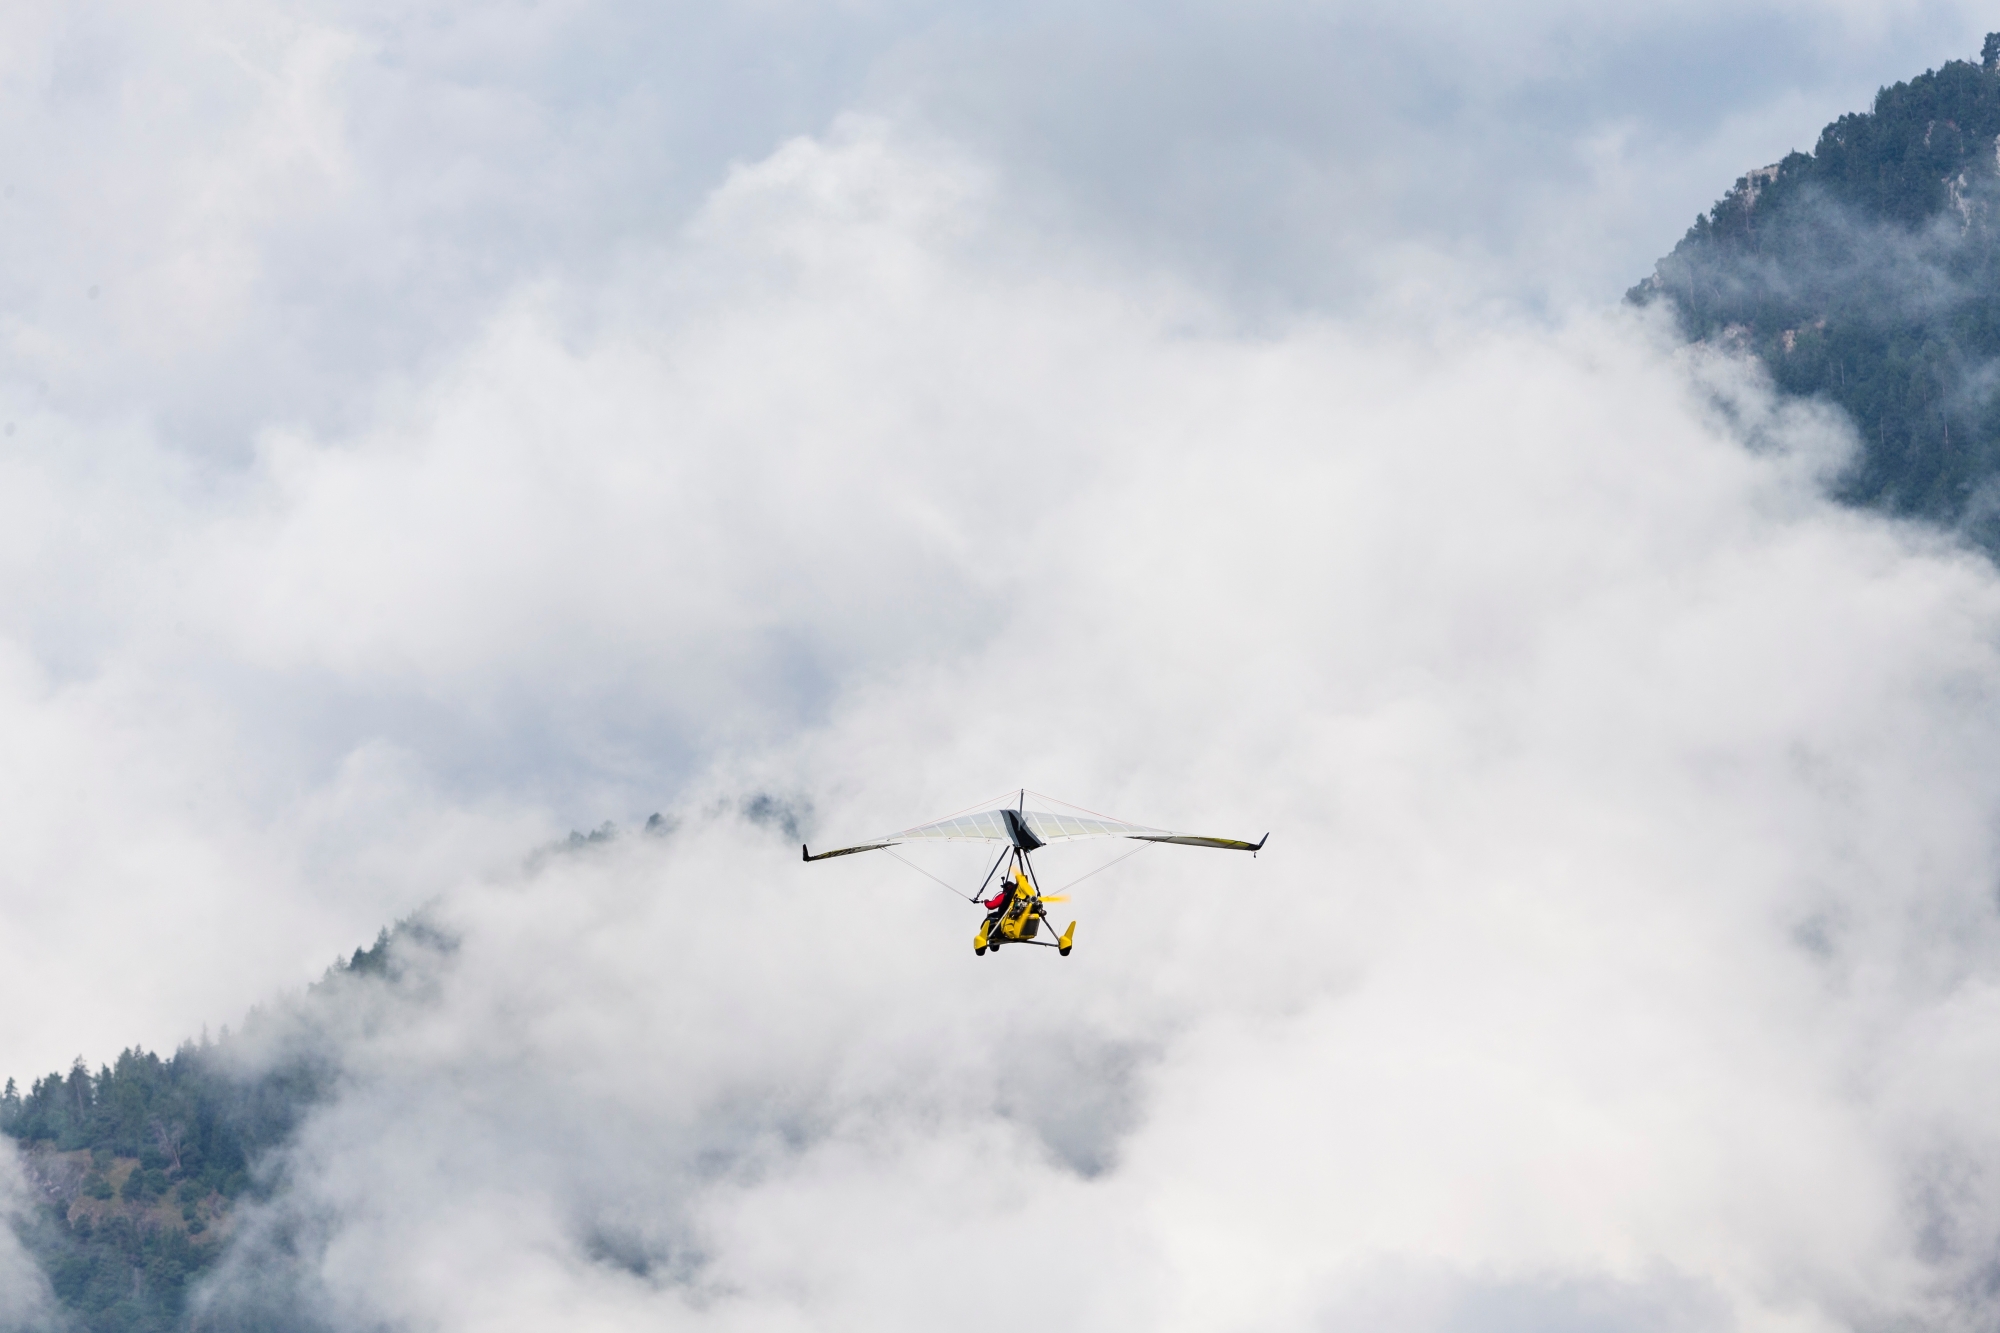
(1106, 866)
(927, 874)
(1044, 796)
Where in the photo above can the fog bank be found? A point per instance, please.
(1619, 958)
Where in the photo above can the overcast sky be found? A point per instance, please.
(430, 431)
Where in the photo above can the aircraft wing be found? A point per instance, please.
(844, 851)
(1196, 840)
(1029, 829)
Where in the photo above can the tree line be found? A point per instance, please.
(138, 1167)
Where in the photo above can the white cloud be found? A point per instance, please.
(1616, 962)
(459, 448)
(26, 1302)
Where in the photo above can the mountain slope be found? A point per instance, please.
(1866, 273)
(137, 1170)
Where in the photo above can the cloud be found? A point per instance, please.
(476, 434)
(26, 1302)
(1620, 957)
(228, 219)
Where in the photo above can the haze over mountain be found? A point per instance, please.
(1864, 273)
(437, 430)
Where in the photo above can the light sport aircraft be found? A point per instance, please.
(1020, 914)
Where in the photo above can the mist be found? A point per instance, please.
(1617, 960)
(881, 411)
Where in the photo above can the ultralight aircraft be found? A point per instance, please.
(1018, 913)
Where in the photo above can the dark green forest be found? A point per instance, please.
(138, 1169)
(143, 1170)
(1865, 274)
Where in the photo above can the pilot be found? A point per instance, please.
(998, 903)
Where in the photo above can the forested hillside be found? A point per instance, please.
(138, 1169)
(1866, 273)
(143, 1170)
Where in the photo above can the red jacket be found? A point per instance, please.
(997, 898)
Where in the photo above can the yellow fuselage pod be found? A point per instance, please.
(1021, 921)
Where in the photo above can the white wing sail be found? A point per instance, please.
(1029, 829)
